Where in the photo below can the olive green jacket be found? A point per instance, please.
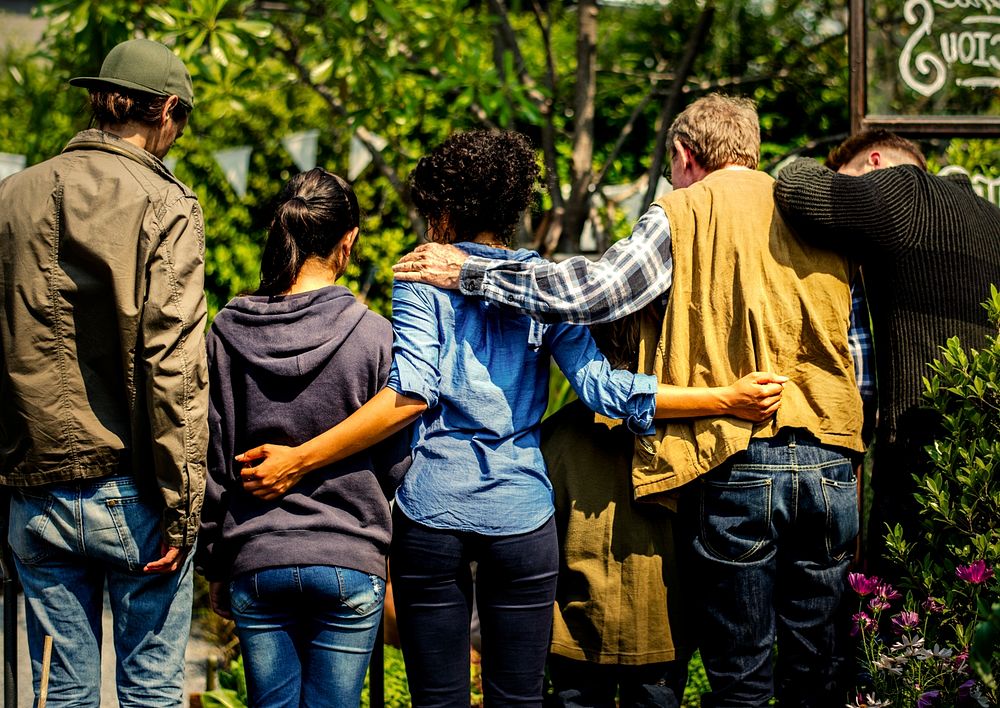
(102, 321)
(618, 599)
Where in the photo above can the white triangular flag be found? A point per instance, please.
(235, 164)
(170, 163)
(360, 157)
(10, 163)
(302, 148)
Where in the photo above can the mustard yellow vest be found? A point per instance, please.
(747, 296)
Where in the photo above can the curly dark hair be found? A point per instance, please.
(475, 182)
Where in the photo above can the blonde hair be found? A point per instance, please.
(719, 130)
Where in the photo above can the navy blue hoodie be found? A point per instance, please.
(283, 370)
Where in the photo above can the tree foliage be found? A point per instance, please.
(594, 86)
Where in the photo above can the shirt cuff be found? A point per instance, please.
(470, 280)
(642, 402)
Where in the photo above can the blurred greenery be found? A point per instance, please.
(411, 72)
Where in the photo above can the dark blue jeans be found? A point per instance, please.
(515, 591)
(774, 530)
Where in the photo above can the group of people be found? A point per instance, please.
(701, 494)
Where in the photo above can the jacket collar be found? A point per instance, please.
(95, 139)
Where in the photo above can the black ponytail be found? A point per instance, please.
(315, 210)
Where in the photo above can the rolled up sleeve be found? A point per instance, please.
(611, 392)
(416, 344)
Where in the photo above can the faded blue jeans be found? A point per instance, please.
(68, 540)
(774, 529)
(306, 633)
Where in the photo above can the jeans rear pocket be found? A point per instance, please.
(29, 524)
(362, 592)
(137, 528)
(842, 525)
(241, 592)
(736, 517)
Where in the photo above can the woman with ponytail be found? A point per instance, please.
(303, 576)
(475, 378)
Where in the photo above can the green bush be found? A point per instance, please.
(925, 654)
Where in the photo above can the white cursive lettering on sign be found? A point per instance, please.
(985, 187)
(976, 44)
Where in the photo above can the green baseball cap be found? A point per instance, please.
(145, 66)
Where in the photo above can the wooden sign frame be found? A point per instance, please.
(915, 125)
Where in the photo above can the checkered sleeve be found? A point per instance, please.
(860, 343)
(630, 275)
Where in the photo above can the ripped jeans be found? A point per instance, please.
(306, 633)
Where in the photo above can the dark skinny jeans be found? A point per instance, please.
(515, 590)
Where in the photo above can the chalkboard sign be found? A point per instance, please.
(926, 66)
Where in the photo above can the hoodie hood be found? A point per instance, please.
(289, 335)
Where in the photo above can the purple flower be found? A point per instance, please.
(877, 604)
(965, 690)
(905, 621)
(933, 606)
(862, 584)
(887, 592)
(860, 621)
(975, 573)
(927, 699)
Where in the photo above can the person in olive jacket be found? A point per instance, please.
(103, 377)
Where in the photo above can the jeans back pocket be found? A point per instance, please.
(32, 536)
(736, 517)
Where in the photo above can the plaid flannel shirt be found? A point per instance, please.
(631, 274)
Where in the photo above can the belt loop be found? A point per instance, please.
(791, 439)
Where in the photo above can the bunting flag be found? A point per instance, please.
(302, 148)
(235, 164)
(10, 163)
(359, 157)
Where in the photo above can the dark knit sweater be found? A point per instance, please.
(283, 370)
(929, 248)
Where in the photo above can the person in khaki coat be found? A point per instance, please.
(103, 430)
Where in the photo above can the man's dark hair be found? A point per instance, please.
(119, 108)
(480, 181)
(869, 139)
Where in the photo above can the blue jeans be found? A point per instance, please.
(774, 531)
(515, 593)
(306, 633)
(68, 540)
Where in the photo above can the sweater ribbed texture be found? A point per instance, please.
(929, 247)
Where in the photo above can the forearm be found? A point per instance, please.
(384, 414)
(690, 402)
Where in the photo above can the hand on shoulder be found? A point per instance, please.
(432, 263)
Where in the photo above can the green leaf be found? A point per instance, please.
(222, 698)
(359, 10)
(321, 73)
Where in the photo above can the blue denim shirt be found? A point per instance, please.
(484, 372)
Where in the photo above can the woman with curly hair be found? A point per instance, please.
(475, 377)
